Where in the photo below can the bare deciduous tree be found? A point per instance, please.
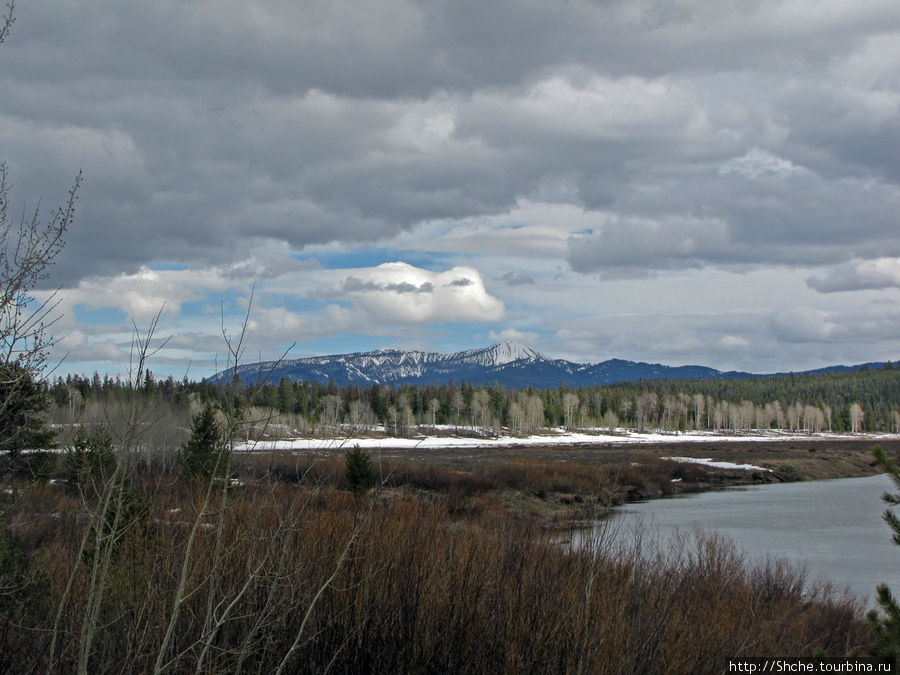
(699, 402)
(856, 417)
(478, 408)
(646, 410)
(571, 403)
(28, 246)
(516, 418)
(534, 412)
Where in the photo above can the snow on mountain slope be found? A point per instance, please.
(496, 355)
(508, 363)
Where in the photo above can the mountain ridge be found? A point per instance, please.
(511, 364)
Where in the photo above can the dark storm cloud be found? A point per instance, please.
(726, 133)
(787, 220)
(517, 279)
(406, 287)
(356, 285)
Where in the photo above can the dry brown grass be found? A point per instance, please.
(471, 487)
(398, 585)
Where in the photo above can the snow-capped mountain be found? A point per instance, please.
(499, 354)
(508, 363)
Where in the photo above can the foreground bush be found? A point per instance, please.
(279, 575)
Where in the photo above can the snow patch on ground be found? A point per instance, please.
(716, 465)
(553, 437)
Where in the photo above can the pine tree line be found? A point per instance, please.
(866, 400)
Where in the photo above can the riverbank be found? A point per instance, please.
(460, 545)
(307, 576)
(832, 529)
(561, 484)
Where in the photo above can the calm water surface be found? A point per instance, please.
(832, 527)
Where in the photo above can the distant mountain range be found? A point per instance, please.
(508, 363)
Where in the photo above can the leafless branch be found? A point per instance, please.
(27, 249)
(7, 20)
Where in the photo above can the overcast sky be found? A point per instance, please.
(680, 181)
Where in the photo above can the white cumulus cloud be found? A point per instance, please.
(397, 292)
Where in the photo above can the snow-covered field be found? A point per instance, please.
(444, 439)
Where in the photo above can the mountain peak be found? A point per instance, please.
(497, 355)
(507, 352)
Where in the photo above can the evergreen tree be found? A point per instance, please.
(23, 407)
(887, 625)
(91, 462)
(203, 454)
(359, 470)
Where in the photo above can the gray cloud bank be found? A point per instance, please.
(699, 133)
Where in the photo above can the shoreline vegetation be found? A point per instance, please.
(451, 563)
(323, 580)
(564, 485)
(184, 527)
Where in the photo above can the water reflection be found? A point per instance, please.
(833, 528)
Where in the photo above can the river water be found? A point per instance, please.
(833, 528)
